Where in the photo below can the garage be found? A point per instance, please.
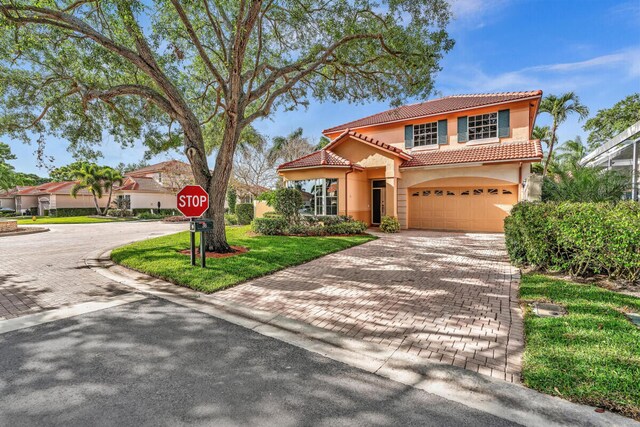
(469, 208)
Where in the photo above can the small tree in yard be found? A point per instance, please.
(176, 73)
(89, 177)
(287, 202)
(232, 199)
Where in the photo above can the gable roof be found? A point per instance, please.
(142, 184)
(368, 140)
(169, 165)
(433, 107)
(507, 151)
(317, 159)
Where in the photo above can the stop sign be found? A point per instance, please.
(193, 201)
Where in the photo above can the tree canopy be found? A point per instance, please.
(178, 74)
(609, 122)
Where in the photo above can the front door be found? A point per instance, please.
(377, 201)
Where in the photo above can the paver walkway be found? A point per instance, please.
(46, 270)
(451, 297)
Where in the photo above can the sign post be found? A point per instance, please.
(193, 201)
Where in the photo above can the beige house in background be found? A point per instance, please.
(454, 163)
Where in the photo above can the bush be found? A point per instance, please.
(232, 200)
(269, 226)
(177, 218)
(268, 197)
(577, 238)
(149, 215)
(120, 213)
(288, 202)
(230, 219)
(309, 226)
(71, 212)
(163, 212)
(244, 212)
(271, 215)
(389, 224)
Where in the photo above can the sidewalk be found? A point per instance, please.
(509, 401)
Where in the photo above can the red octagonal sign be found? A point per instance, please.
(193, 201)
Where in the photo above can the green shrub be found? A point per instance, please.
(149, 215)
(244, 212)
(232, 200)
(271, 215)
(72, 212)
(269, 226)
(268, 197)
(288, 202)
(389, 224)
(578, 238)
(350, 227)
(163, 212)
(230, 219)
(120, 213)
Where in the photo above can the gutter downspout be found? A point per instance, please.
(346, 191)
(520, 188)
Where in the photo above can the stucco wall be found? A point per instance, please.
(61, 201)
(150, 200)
(260, 208)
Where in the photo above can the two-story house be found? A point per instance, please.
(453, 163)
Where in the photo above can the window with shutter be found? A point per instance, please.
(408, 136)
(463, 135)
(442, 132)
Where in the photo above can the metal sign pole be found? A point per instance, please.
(193, 245)
(203, 252)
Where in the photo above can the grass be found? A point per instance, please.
(590, 356)
(159, 257)
(69, 220)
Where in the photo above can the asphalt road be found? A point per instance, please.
(156, 363)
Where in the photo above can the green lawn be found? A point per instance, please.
(69, 220)
(590, 356)
(159, 257)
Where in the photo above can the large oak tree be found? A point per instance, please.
(181, 73)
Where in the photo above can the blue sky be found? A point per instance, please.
(591, 47)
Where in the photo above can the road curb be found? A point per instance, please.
(506, 400)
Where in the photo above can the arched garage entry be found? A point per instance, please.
(461, 204)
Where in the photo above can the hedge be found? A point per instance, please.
(244, 212)
(581, 239)
(138, 211)
(60, 212)
(309, 226)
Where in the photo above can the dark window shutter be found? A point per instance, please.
(503, 123)
(408, 136)
(442, 131)
(463, 135)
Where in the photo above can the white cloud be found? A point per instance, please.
(475, 13)
(549, 77)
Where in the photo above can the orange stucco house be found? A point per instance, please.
(454, 163)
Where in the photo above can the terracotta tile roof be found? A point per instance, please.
(317, 158)
(63, 187)
(142, 184)
(353, 134)
(477, 154)
(168, 166)
(436, 106)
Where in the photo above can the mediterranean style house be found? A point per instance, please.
(454, 163)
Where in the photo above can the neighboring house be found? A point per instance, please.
(154, 187)
(52, 196)
(453, 163)
(622, 153)
(8, 199)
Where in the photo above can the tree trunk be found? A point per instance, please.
(95, 202)
(551, 144)
(106, 208)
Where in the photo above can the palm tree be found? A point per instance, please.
(559, 108)
(571, 152)
(109, 178)
(89, 177)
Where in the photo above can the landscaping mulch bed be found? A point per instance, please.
(238, 250)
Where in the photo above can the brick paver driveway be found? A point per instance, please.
(47, 270)
(450, 297)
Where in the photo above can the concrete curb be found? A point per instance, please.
(506, 400)
(25, 231)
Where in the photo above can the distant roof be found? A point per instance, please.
(318, 158)
(169, 165)
(507, 151)
(433, 107)
(142, 184)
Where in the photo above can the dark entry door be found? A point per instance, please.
(376, 206)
